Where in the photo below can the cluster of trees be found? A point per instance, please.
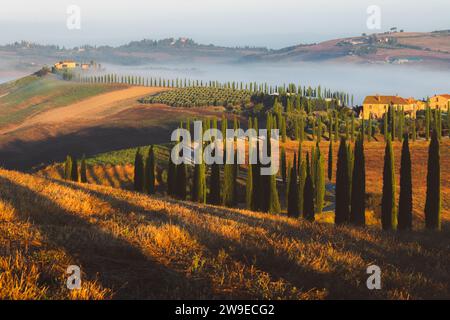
(74, 173)
(201, 96)
(145, 171)
(393, 217)
(396, 125)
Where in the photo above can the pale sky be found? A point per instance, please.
(271, 23)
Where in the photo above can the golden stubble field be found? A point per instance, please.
(132, 246)
(120, 176)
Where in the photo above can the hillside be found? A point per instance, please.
(49, 118)
(432, 49)
(31, 95)
(424, 48)
(133, 246)
(116, 169)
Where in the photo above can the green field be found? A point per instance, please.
(200, 97)
(29, 95)
(126, 156)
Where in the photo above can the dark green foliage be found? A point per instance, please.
(427, 122)
(388, 208)
(433, 199)
(214, 195)
(353, 127)
(301, 185)
(171, 178)
(342, 185)
(405, 200)
(181, 183)
(274, 202)
(293, 201)
(74, 173)
(83, 173)
(198, 183)
(138, 172)
(319, 180)
(308, 196)
(68, 168)
(357, 212)
(149, 178)
(283, 164)
(330, 161)
(283, 129)
(228, 186)
(249, 188)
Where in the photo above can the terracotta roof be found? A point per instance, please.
(384, 100)
(446, 96)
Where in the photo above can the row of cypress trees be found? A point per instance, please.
(305, 183)
(393, 217)
(144, 171)
(72, 172)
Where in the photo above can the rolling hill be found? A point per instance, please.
(428, 48)
(415, 48)
(129, 246)
(49, 118)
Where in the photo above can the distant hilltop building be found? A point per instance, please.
(70, 65)
(376, 106)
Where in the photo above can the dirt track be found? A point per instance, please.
(90, 109)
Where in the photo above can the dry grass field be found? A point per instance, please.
(131, 246)
(121, 176)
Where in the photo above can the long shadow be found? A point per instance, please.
(107, 177)
(116, 263)
(280, 266)
(92, 174)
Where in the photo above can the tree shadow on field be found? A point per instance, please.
(264, 258)
(384, 253)
(92, 175)
(113, 262)
(340, 282)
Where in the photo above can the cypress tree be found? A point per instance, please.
(353, 126)
(138, 172)
(83, 173)
(388, 208)
(249, 188)
(308, 195)
(215, 184)
(414, 133)
(228, 186)
(433, 199)
(283, 164)
(427, 122)
(74, 173)
(149, 179)
(319, 181)
(405, 199)
(68, 168)
(171, 178)
(293, 201)
(181, 181)
(385, 126)
(330, 161)
(301, 185)
(256, 194)
(342, 185)
(283, 129)
(448, 119)
(369, 129)
(336, 126)
(357, 211)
